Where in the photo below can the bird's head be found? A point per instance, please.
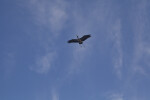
(77, 36)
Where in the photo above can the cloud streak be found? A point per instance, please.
(116, 96)
(55, 95)
(8, 63)
(119, 58)
(117, 52)
(138, 66)
(50, 14)
(44, 63)
(141, 53)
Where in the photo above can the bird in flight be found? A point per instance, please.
(79, 40)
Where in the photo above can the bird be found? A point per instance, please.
(79, 40)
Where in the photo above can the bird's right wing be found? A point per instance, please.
(85, 37)
(73, 41)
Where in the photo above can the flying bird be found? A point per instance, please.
(79, 40)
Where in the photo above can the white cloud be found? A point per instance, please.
(55, 95)
(114, 96)
(141, 46)
(52, 15)
(78, 57)
(139, 59)
(8, 63)
(58, 18)
(116, 36)
(44, 63)
(49, 14)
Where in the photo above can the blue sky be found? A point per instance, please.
(37, 63)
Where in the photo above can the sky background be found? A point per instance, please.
(37, 63)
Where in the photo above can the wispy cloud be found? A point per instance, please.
(78, 57)
(44, 63)
(8, 64)
(115, 96)
(49, 14)
(139, 66)
(55, 95)
(116, 36)
(141, 48)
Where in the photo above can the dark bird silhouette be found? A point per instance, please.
(79, 40)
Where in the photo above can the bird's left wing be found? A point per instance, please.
(85, 37)
(73, 41)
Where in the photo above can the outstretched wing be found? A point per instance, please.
(73, 41)
(85, 37)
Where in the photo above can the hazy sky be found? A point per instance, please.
(37, 63)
